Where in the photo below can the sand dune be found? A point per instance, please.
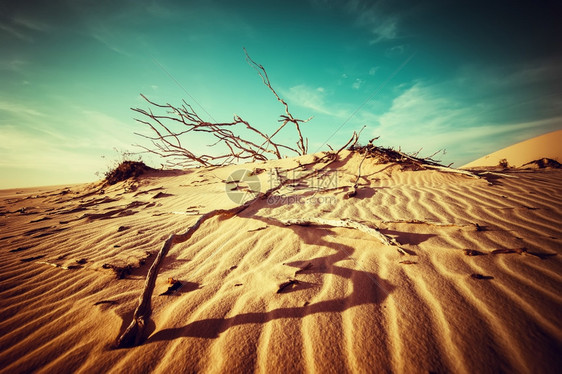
(478, 289)
(544, 146)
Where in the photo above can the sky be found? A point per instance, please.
(469, 77)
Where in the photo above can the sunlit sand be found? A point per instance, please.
(471, 283)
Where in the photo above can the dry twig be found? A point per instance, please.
(302, 144)
(374, 232)
(166, 138)
(133, 335)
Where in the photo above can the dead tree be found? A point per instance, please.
(302, 144)
(134, 333)
(169, 124)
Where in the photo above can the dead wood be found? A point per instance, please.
(447, 169)
(387, 155)
(353, 191)
(544, 163)
(133, 335)
(134, 332)
(493, 173)
(169, 124)
(508, 251)
(258, 229)
(374, 232)
(302, 144)
(420, 222)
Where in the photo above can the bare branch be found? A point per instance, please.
(170, 125)
(302, 145)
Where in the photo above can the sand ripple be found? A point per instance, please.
(357, 305)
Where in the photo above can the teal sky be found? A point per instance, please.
(469, 77)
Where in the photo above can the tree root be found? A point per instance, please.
(134, 332)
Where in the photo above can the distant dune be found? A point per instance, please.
(547, 145)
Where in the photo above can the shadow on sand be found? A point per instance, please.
(368, 288)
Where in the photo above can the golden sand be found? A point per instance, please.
(478, 289)
(547, 145)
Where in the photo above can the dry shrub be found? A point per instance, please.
(503, 163)
(545, 163)
(126, 170)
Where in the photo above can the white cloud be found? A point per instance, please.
(373, 70)
(100, 130)
(378, 21)
(509, 76)
(32, 159)
(16, 33)
(31, 24)
(107, 40)
(425, 116)
(394, 51)
(383, 30)
(23, 28)
(13, 65)
(41, 147)
(308, 97)
(357, 84)
(373, 16)
(19, 109)
(93, 132)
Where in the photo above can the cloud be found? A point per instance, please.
(395, 51)
(320, 101)
(383, 31)
(430, 117)
(31, 159)
(23, 28)
(32, 24)
(106, 38)
(28, 150)
(375, 18)
(502, 77)
(16, 33)
(357, 84)
(14, 65)
(44, 146)
(373, 70)
(94, 131)
(308, 97)
(18, 109)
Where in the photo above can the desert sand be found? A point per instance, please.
(471, 283)
(544, 146)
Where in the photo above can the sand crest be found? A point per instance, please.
(544, 146)
(477, 288)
